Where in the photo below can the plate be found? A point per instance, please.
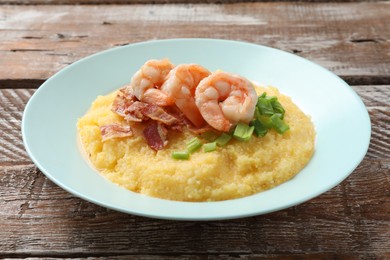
(340, 118)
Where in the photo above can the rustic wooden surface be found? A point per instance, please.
(98, 2)
(38, 219)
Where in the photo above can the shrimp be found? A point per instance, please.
(146, 82)
(225, 99)
(180, 85)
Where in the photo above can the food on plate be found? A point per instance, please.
(181, 83)
(184, 133)
(224, 100)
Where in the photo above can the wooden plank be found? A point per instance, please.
(99, 2)
(39, 217)
(12, 102)
(209, 256)
(38, 41)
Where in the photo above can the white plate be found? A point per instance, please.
(341, 120)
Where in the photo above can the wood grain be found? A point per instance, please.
(100, 2)
(36, 212)
(350, 39)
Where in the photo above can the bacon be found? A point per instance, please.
(127, 106)
(157, 120)
(134, 112)
(155, 135)
(122, 102)
(115, 131)
(159, 114)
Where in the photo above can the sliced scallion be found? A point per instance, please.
(223, 139)
(260, 129)
(210, 147)
(271, 98)
(194, 144)
(278, 108)
(257, 112)
(265, 106)
(279, 125)
(180, 155)
(265, 121)
(243, 132)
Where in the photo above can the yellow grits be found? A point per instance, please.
(235, 170)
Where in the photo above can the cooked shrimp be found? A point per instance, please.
(180, 85)
(146, 82)
(224, 100)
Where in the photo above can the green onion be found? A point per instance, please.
(193, 145)
(278, 108)
(180, 155)
(269, 113)
(279, 125)
(265, 106)
(271, 98)
(210, 147)
(257, 112)
(209, 136)
(260, 129)
(243, 132)
(265, 121)
(223, 139)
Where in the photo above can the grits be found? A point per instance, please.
(236, 170)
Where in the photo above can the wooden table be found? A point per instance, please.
(39, 219)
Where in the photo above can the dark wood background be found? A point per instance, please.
(38, 219)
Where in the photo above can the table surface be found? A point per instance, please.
(39, 219)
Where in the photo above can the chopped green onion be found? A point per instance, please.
(278, 108)
(193, 145)
(210, 147)
(265, 106)
(260, 129)
(243, 132)
(180, 155)
(269, 113)
(257, 112)
(265, 121)
(209, 136)
(223, 139)
(279, 125)
(271, 98)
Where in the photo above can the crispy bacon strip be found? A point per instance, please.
(122, 102)
(131, 109)
(159, 114)
(115, 131)
(155, 135)
(134, 112)
(126, 105)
